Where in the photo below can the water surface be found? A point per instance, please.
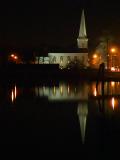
(63, 116)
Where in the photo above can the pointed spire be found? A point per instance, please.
(82, 31)
(82, 40)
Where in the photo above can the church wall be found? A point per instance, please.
(64, 58)
(39, 60)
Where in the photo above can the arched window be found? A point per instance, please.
(68, 59)
(61, 59)
(54, 59)
(41, 60)
(75, 59)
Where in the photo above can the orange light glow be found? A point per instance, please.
(95, 56)
(112, 68)
(113, 103)
(95, 92)
(12, 55)
(15, 91)
(15, 57)
(112, 84)
(12, 96)
(113, 50)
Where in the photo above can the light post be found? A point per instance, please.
(14, 58)
(108, 65)
(97, 59)
(113, 62)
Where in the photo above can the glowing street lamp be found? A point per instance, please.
(12, 55)
(95, 56)
(15, 57)
(113, 62)
(113, 50)
(96, 59)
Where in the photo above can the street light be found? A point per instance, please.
(113, 60)
(12, 55)
(15, 57)
(113, 50)
(95, 56)
(96, 59)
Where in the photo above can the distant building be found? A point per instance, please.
(64, 59)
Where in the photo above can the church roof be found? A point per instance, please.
(82, 31)
(83, 50)
(70, 50)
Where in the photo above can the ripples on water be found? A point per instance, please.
(66, 116)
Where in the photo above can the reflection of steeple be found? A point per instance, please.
(82, 112)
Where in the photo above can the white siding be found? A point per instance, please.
(56, 58)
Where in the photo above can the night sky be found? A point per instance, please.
(31, 24)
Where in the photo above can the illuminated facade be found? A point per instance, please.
(64, 59)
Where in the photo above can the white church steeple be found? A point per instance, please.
(82, 39)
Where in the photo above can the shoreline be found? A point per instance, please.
(51, 72)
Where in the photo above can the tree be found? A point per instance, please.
(75, 64)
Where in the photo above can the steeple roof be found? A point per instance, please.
(82, 31)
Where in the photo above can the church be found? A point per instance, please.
(64, 59)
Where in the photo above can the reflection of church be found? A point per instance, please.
(64, 59)
(70, 93)
(64, 91)
(82, 114)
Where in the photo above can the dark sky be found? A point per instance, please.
(30, 24)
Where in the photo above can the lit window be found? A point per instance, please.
(54, 90)
(68, 59)
(61, 59)
(54, 59)
(61, 90)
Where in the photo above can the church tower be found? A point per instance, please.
(82, 40)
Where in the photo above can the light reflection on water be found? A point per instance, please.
(87, 97)
(82, 112)
(12, 96)
(14, 93)
(63, 92)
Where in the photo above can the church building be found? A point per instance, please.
(64, 59)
